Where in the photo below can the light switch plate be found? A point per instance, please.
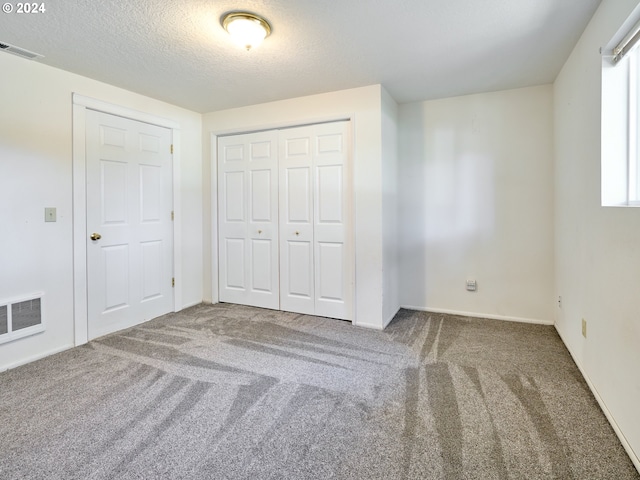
(50, 214)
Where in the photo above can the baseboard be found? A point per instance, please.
(632, 455)
(33, 358)
(480, 315)
(388, 320)
(192, 304)
(375, 326)
(372, 326)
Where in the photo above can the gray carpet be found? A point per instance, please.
(229, 392)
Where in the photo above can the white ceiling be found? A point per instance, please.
(176, 50)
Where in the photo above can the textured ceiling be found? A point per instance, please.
(176, 50)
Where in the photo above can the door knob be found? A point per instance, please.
(95, 236)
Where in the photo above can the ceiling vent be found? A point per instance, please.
(21, 52)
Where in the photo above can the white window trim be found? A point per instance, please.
(633, 136)
(620, 127)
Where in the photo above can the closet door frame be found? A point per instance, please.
(214, 229)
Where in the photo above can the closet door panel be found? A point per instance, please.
(234, 192)
(333, 249)
(285, 221)
(248, 219)
(299, 257)
(260, 188)
(297, 289)
(330, 285)
(234, 260)
(261, 266)
(330, 194)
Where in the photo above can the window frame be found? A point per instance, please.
(633, 160)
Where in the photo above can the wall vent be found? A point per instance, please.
(21, 52)
(21, 317)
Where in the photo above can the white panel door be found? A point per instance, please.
(248, 219)
(333, 246)
(316, 250)
(129, 225)
(297, 283)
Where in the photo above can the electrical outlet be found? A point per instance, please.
(472, 286)
(584, 328)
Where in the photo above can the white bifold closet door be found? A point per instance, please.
(308, 220)
(316, 259)
(248, 225)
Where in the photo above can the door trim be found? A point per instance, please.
(80, 105)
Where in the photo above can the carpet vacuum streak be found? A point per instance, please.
(233, 392)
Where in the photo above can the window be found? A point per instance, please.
(621, 120)
(634, 124)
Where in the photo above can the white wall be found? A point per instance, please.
(476, 202)
(390, 236)
(597, 248)
(36, 172)
(363, 106)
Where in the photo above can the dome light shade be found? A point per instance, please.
(247, 29)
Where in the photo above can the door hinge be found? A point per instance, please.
(172, 149)
(172, 215)
(173, 281)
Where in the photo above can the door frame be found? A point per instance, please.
(215, 218)
(80, 105)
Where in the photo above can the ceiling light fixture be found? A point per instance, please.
(246, 29)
